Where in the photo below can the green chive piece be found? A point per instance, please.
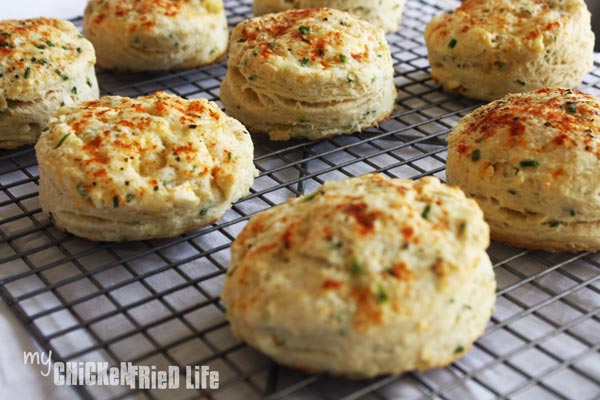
(6, 34)
(426, 211)
(343, 22)
(26, 73)
(81, 190)
(49, 43)
(304, 61)
(74, 90)
(305, 30)
(381, 294)
(349, 79)
(343, 58)
(555, 224)
(356, 269)
(62, 140)
(452, 43)
(573, 213)
(129, 197)
(520, 82)
(156, 188)
(203, 212)
(459, 349)
(89, 82)
(272, 45)
(252, 77)
(6, 44)
(40, 46)
(115, 201)
(500, 65)
(571, 106)
(529, 163)
(310, 197)
(476, 155)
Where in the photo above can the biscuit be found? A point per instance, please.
(308, 74)
(487, 49)
(155, 166)
(386, 14)
(44, 64)
(363, 277)
(144, 35)
(530, 160)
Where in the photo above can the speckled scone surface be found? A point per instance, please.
(365, 276)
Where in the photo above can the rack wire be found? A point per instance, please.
(157, 302)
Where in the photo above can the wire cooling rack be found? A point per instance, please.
(157, 302)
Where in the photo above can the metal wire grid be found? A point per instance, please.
(156, 302)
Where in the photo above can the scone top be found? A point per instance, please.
(537, 152)
(517, 27)
(141, 18)
(371, 238)
(150, 153)
(315, 48)
(40, 53)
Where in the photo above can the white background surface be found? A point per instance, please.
(18, 381)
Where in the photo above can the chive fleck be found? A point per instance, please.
(129, 197)
(49, 43)
(349, 79)
(66, 48)
(356, 269)
(63, 76)
(529, 163)
(426, 211)
(304, 61)
(26, 73)
(520, 82)
(272, 45)
(571, 106)
(62, 140)
(6, 34)
(74, 90)
(555, 224)
(156, 188)
(500, 65)
(81, 190)
(343, 22)
(6, 44)
(343, 58)
(310, 197)
(252, 77)
(305, 30)
(115, 201)
(42, 61)
(203, 212)
(40, 46)
(459, 349)
(229, 156)
(573, 213)
(476, 155)
(382, 295)
(452, 43)
(89, 82)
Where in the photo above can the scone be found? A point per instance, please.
(145, 35)
(386, 14)
(363, 277)
(531, 162)
(128, 169)
(44, 64)
(308, 74)
(487, 49)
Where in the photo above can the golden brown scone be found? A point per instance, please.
(530, 160)
(365, 276)
(308, 74)
(44, 64)
(386, 14)
(144, 35)
(487, 49)
(155, 166)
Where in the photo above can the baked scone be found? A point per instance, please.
(365, 276)
(146, 35)
(386, 14)
(44, 64)
(531, 162)
(308, 74)
(487, 49)
(155, 166)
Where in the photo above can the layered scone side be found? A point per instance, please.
(531, 162)
(143, 35)
(308, 73)
(386, 14)
(44, 63)
(487, 49)
(155, 166)
(363, 277)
